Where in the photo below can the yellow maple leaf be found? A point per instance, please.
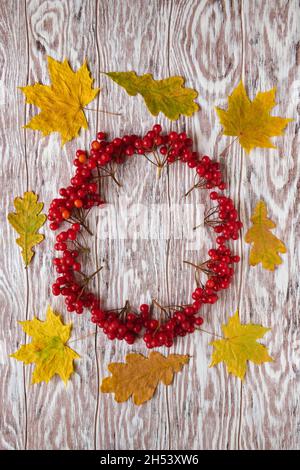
(251, 121)
(240, 346)
(140, 375)
(26, 221)
(266, 246)
(63, 101)
(48, 350)
(168, 95)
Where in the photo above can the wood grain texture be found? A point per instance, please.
(213, 44)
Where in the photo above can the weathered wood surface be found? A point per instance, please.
(213, 44)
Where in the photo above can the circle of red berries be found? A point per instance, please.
(77, 200)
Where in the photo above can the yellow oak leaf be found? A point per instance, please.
(251, 121)
(48, 350)
(239, 346)
(26, 221)
(140, 375)
(265, 246)
(168, 95)
(63, 101)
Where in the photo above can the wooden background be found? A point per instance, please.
(213, 44)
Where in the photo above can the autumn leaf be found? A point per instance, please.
(168, 95)
(63, 101)
(48, 350)
(239, 346)
(140, 375)
(26, 221)
(265, 246)
(251, 121)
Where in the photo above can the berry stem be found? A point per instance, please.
(212, 210)
(197, 226)
(197, 279)
(197, 266)
(149, 160)
(190, 190)
(201, 267)
(115, 180)
(156, 156)
(86, 227)
(77, 218)
(159, 170)
(99, 181)
(176, 307)
(125, 309)
(200, 184)
(163, 309)
(83, 249)
(94, 273)
(113, 175)
(87, 213)
(88, 278)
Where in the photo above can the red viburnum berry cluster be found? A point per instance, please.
(84, 193)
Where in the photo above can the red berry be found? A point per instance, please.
(66, 214)
(129, 151)
(173, 136)
(220, 240)
(101, 135)
(189, 311)
(222, 186)
(82, 158)
(117, 142)
(78, 203)
(95, 145)
(54, 226)
(147, 337)
(168, 342)
(200, 170)
(153, 324)
(147, 142)
(76, 227)
(185, 325)
(129, 338)
(131, 317)
(55, 289)
(213, 196)
(180, 316)
(144, 308)
(72, 235)
(158, 140)
(210, 284)
(157, 128)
